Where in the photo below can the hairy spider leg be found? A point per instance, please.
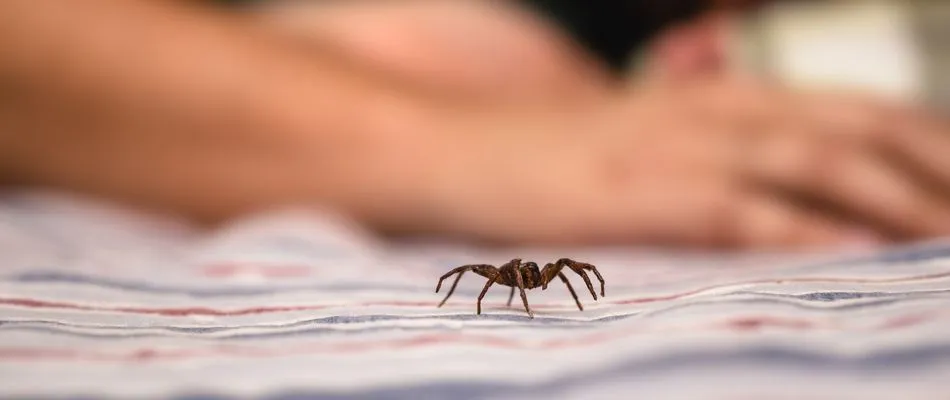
(485, 270)
(571, 289)
(485, 290)
(524, 297)
(552, 270)
(452, 289)
(531, 277)
(580, 267)
(548, 273)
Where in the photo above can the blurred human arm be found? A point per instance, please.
(475, 51)
(185, 109)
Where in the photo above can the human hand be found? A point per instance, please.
(716, 164)
(873, 164)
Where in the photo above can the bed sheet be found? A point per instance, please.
(99, 302)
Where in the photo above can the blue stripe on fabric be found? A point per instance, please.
(885, 364)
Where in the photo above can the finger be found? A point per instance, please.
(752, 108)
(773, 223)
(851, 177)
(711, 211)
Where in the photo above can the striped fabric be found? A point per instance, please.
(101, 303)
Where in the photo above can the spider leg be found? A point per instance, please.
(581, 268)
(481, 269)
(548, 274)
(485, 290)
(599, 278)
(524, 297)
(451, 289)
(571, 289)
(590, 287)
(511, 296)
(458, 270)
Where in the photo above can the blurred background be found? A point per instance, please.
(887, 47)
(410, 115)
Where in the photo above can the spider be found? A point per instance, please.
(523, 276)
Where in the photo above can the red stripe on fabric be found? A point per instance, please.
(172, 312)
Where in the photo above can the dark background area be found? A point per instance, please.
(613, 29)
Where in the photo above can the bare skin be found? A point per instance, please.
(486, 51)
(212, 116)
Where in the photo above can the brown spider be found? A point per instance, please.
(524, 276)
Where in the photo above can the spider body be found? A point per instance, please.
(524, 276)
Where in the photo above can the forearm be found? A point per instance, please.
(174, 107)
